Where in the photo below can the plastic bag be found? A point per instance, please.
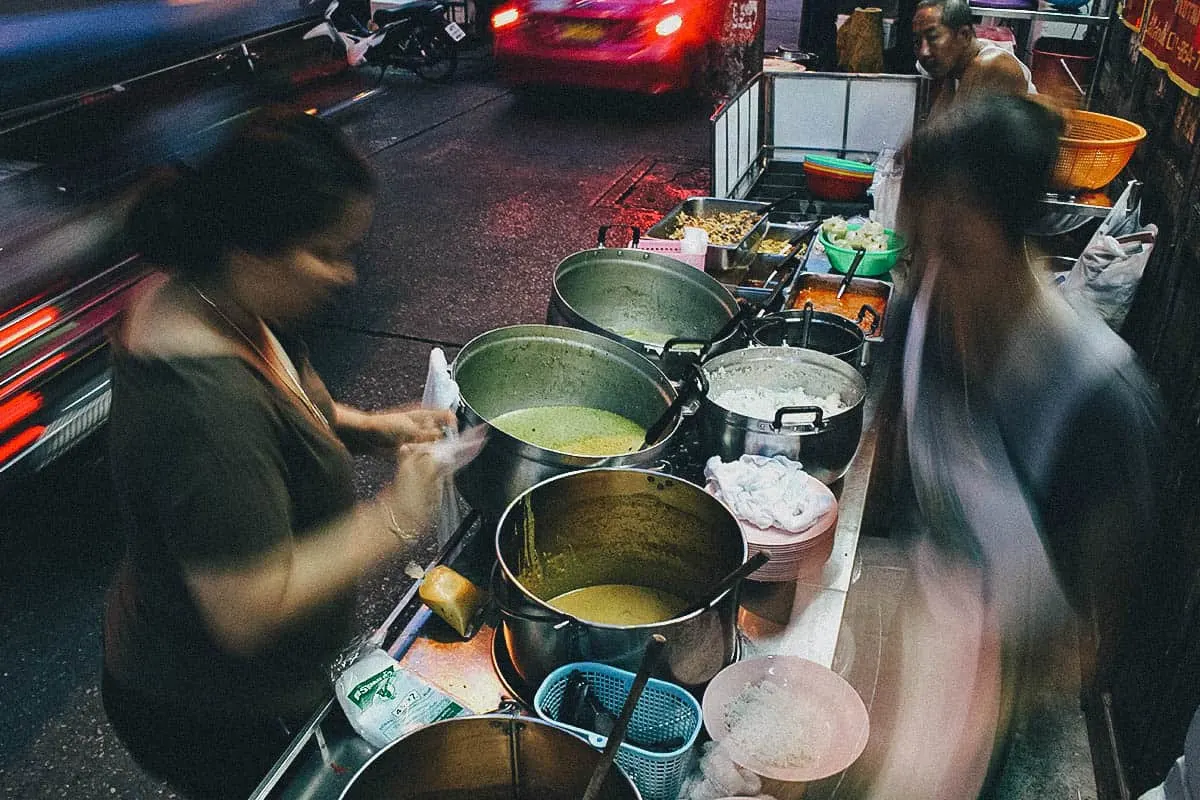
(885, 187)
(382, 701)
(441, 391)
(1106, 275)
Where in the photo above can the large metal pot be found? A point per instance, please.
(523, 366)
(487, 757)
(642, 300)
(817, 330)
(617, 526)
(824, 443)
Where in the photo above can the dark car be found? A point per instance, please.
(95, 96)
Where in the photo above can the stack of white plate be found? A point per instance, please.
(790, 552)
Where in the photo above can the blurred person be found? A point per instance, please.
(245, 540)
(1030, 433)
(961, 65)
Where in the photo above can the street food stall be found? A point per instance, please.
(732, 378)
(793, 611)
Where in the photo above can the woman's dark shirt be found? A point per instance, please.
(214, 466)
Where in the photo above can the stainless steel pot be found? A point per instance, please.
(824, 443)
(617, 526)
(642, 299)
(822, 331)
(487, 757)
(523, 366)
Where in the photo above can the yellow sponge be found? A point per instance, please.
(452, 597)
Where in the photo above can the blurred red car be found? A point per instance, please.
(650, 46)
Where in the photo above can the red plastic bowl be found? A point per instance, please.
(828, 185)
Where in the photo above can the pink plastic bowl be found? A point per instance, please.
(832, 731)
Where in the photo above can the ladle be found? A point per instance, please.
(729, 581)
(774, 204)
(858, 257)
(650, 657)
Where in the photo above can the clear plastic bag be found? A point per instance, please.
(1106, 275)
(441, 391)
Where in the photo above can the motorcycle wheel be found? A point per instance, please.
(440, 58)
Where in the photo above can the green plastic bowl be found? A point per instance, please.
(875, 262)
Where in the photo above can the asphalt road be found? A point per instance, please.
(483, 194)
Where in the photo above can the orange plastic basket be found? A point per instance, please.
(1094, 150)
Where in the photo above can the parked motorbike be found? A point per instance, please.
(412, 35)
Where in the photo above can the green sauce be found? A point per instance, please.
(578, 430)
(619, 604)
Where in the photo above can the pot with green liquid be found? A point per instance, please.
(555, 399)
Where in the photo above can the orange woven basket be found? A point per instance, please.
(1094, 150)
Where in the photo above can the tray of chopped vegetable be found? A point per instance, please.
(734, 228)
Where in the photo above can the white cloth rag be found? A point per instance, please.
(717, 776)
(768, 492)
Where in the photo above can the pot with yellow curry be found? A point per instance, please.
(592, 563)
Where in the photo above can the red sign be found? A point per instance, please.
(1171, 40)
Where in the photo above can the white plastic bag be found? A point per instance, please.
(441, 391)
(885, 187)
(382, 701)
(1108, 271)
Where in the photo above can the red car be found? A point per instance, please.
(650, 46)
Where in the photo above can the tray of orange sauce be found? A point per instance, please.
(821, 289)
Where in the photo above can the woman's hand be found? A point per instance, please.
(384, 431)
(421, 468)
(410, 425)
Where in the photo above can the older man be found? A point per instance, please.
(961, 65)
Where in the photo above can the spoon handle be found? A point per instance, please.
(649, 659)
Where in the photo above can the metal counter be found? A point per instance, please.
(800, 618)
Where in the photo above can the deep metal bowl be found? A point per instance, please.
(523, 366)
(640, 299)
(486, 757)
(617, 526)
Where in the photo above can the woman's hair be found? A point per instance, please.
(283, 177)
(995, 152)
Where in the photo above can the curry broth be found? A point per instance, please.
(619, 604)
(578, 430)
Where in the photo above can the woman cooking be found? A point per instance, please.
(244, 537)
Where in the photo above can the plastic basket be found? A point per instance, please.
(664, 711)
(1094, 150)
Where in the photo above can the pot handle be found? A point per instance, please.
(602, 236)
(499, 594)
(866, 310)
(677, 341)
(818, 420)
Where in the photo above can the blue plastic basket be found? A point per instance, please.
(664, 711)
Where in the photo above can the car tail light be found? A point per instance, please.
(19, 408)
(20, 442)
(669, 25)
(25, 328)
(505, 17)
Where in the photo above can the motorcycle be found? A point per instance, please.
(413, 34)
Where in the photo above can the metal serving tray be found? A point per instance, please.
(719, 259)
(876, 293)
